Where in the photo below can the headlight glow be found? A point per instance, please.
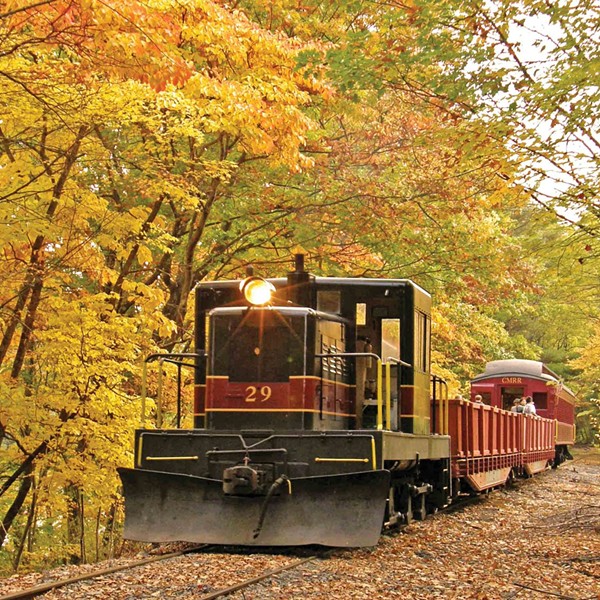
(256, 290)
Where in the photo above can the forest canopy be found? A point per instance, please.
(149, 145)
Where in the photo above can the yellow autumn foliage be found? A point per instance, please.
(121, 127)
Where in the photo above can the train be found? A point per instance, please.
(317, 419)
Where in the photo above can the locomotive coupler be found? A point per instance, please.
(241, 480)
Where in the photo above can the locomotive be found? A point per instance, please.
(315, 421)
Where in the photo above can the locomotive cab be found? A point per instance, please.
(312, 357)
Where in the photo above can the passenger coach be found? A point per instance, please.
(504, 380)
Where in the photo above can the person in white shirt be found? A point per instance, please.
(529, 408)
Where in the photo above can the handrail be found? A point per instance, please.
(346, 354)
(172, 357)
(442, 417)
(162, 358)
(391, 359)
(379, 376)
(388, 388)
(380, 379)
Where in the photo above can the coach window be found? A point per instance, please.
(509, 394)
(540, 399)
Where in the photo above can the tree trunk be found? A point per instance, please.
(17, 504)
(34, 278)
(76, 525)
(26, 531)
(82, 528)
(14, 321)
(109, 532)
(27, 327)
(26, 467)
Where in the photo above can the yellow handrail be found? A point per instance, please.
(379, 394)
(389, 361)
(388, 395)
(144, 392)
(159, 411)
(176, 358)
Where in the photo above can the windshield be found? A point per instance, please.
(257, 345)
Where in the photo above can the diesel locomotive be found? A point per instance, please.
(316, 421)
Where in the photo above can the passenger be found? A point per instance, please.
(521, 405)
(515, 406)
(529, 408)
(479, 399)
(458, 397)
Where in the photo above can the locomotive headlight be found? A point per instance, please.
(256, 290)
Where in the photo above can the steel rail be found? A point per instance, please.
(46, 587)
(248, 582)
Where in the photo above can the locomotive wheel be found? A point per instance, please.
(391, 517)
(407, 504)
(400, 506)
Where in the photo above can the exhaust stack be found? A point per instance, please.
(300, 290)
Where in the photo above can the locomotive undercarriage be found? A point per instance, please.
(418, 491)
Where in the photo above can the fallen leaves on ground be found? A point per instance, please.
(527, 542)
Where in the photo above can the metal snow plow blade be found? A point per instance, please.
(335, 510)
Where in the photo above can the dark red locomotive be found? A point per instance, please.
(314, 422)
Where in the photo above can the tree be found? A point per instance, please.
(588, 422)
(121, 132)
(524, 71)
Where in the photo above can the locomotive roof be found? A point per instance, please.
(369, 281)
(324, 281)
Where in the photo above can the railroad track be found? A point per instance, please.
(47, 587)
(59, 583)
(266, 575)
